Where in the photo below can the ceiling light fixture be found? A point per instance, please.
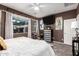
(36, 8)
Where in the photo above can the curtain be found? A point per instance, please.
(0, 23)
(38, 26)
(8, 26)
(29, 28)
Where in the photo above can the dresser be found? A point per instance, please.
(48, 35)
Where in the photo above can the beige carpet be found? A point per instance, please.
(62, 49)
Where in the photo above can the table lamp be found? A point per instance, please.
(75, 25)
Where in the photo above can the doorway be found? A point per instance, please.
(68, 32)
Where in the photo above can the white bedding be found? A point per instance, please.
(23, 46)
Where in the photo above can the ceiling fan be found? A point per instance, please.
(37, 6)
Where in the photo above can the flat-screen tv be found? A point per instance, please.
(49, 20)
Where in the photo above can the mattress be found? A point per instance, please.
(23, 46)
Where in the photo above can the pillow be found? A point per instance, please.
(2, 43)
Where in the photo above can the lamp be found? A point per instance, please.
(75, 25)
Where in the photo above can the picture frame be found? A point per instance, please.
(59, 23)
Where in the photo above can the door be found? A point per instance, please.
(68, 32)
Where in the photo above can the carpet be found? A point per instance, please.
(62, 49)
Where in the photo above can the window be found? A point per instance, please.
(20, 25)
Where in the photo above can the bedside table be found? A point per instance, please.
(75, 46)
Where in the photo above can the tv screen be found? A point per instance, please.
(49, 20)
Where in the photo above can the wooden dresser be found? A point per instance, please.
(48, 35)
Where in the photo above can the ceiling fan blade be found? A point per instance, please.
(42, 6)
(38, 5)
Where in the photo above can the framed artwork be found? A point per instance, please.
(58, 23)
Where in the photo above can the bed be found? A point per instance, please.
(23, 46)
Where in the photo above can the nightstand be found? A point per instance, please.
(75, 46)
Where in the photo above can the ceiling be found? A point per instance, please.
(45, 9)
